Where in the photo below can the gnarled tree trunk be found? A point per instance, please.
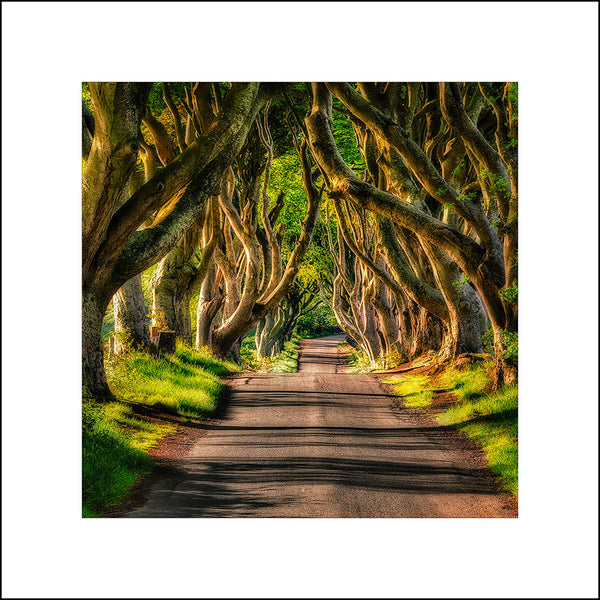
(94, 377)
(131, 321)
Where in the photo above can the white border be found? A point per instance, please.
(550, 48)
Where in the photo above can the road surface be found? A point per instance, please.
(318, 443)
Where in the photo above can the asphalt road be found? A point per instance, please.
(323, 444)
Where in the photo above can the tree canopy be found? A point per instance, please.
(393, 204)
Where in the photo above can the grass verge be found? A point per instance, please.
(360, 363)
(490, 418)
(115, 440)
(414, 389)
(285, 361)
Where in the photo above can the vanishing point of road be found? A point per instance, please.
(318, 443)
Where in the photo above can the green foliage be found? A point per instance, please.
(86, 96)
(496, 184)
(285, 361)
(123, 338)
(318, 261)
(315, 322)
(513, 92)
(458, 169)
(346, 141)
(468, 196)
(161, 112)
(511, 293)
(108, 323)
(147, 287)
(510, 341)
(465, 280)
(511, 347)
(513, 98)
(286, 174)
(488, 341)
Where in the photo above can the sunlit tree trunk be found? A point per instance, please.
(171, 293)
(209, 303)
(386, 318)
(115, 248)
(94, 377)
(131, 321)
(478, 258)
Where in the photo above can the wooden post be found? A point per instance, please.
(154, 331)
(166, 341)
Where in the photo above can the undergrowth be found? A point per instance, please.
(113, 453)
(413, 389)
(285, 361)
(360, 363)
(185, 383)
(115, 440)
(488, 417)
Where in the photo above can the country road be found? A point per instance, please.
(318, 443)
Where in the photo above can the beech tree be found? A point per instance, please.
(429, 154)
(278, 326)
(213, 253)
(266, 281)
(131, 324)
(115, 247)
(418, 241)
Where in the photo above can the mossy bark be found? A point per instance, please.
(115, 248)
(131, 319)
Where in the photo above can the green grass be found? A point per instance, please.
(360, 363)
(285, 361)
(184, 383)
(115, 441)
(469, 384)
(414, 389)
(112, 461)
(490, 418)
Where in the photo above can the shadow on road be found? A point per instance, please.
(214, 491)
